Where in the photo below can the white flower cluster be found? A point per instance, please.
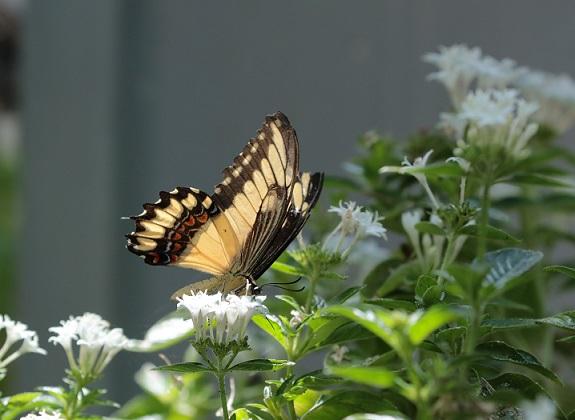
(97, 343)
(494, 121)
(355, 223)
(43, 415)
(555, 95)
(462, 69)
(220, 318)
(16, 332)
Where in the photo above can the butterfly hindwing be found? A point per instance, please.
(184, 228)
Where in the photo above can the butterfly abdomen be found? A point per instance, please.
(165, 228)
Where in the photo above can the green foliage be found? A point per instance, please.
(451, 321)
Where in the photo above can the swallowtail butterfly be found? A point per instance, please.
(236, 233)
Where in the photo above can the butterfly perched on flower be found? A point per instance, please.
(236, 233)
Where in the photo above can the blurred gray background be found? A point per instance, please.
(121, 99)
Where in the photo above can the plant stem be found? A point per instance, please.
(71, 410)
(473, 328)
(313, 277)
(290, 405)
(484, 219)
(420, 402)
(447, 257)
(223, 397)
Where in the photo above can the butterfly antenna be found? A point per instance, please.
(284, 282)
(278, 285)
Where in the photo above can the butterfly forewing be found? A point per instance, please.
(305, 193)
(270, 160)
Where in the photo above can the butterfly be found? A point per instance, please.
(236, 233)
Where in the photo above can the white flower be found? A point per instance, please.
(414, 169)
(419, 162)
(460, 68)
(555, 95)
(16, 332)
(296, 319)
(496, 121)
(354, 219)
(495, 74)
(456, 69)
(355, 223)
(540, 409)
(43, 415)
(220, 318)
(339, 353)
(97, 344)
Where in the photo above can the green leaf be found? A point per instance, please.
(570, 339)
(564, 320)
(396, 278)
(286, 268)
(391, 304)
(316, 380)
(377, 275)
(507, 264)
(373, 319)
(20, 399)
(342, 334)
(161, 335)
(522, 385)
(424, 283)
(273, 326)
(491, 232)
(186, 367)
(516, 382)
(568, 271)
(503, 352)
(431, 228)
(260, 365)
(345, 403)
(368, 375)
(509, 323)
(290, 301)
(432, 319)
(258, 412)
(538, 180)
(345, 295)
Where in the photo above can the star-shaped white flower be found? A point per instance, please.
(95, 342)
(220, 318)
(15, 333)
